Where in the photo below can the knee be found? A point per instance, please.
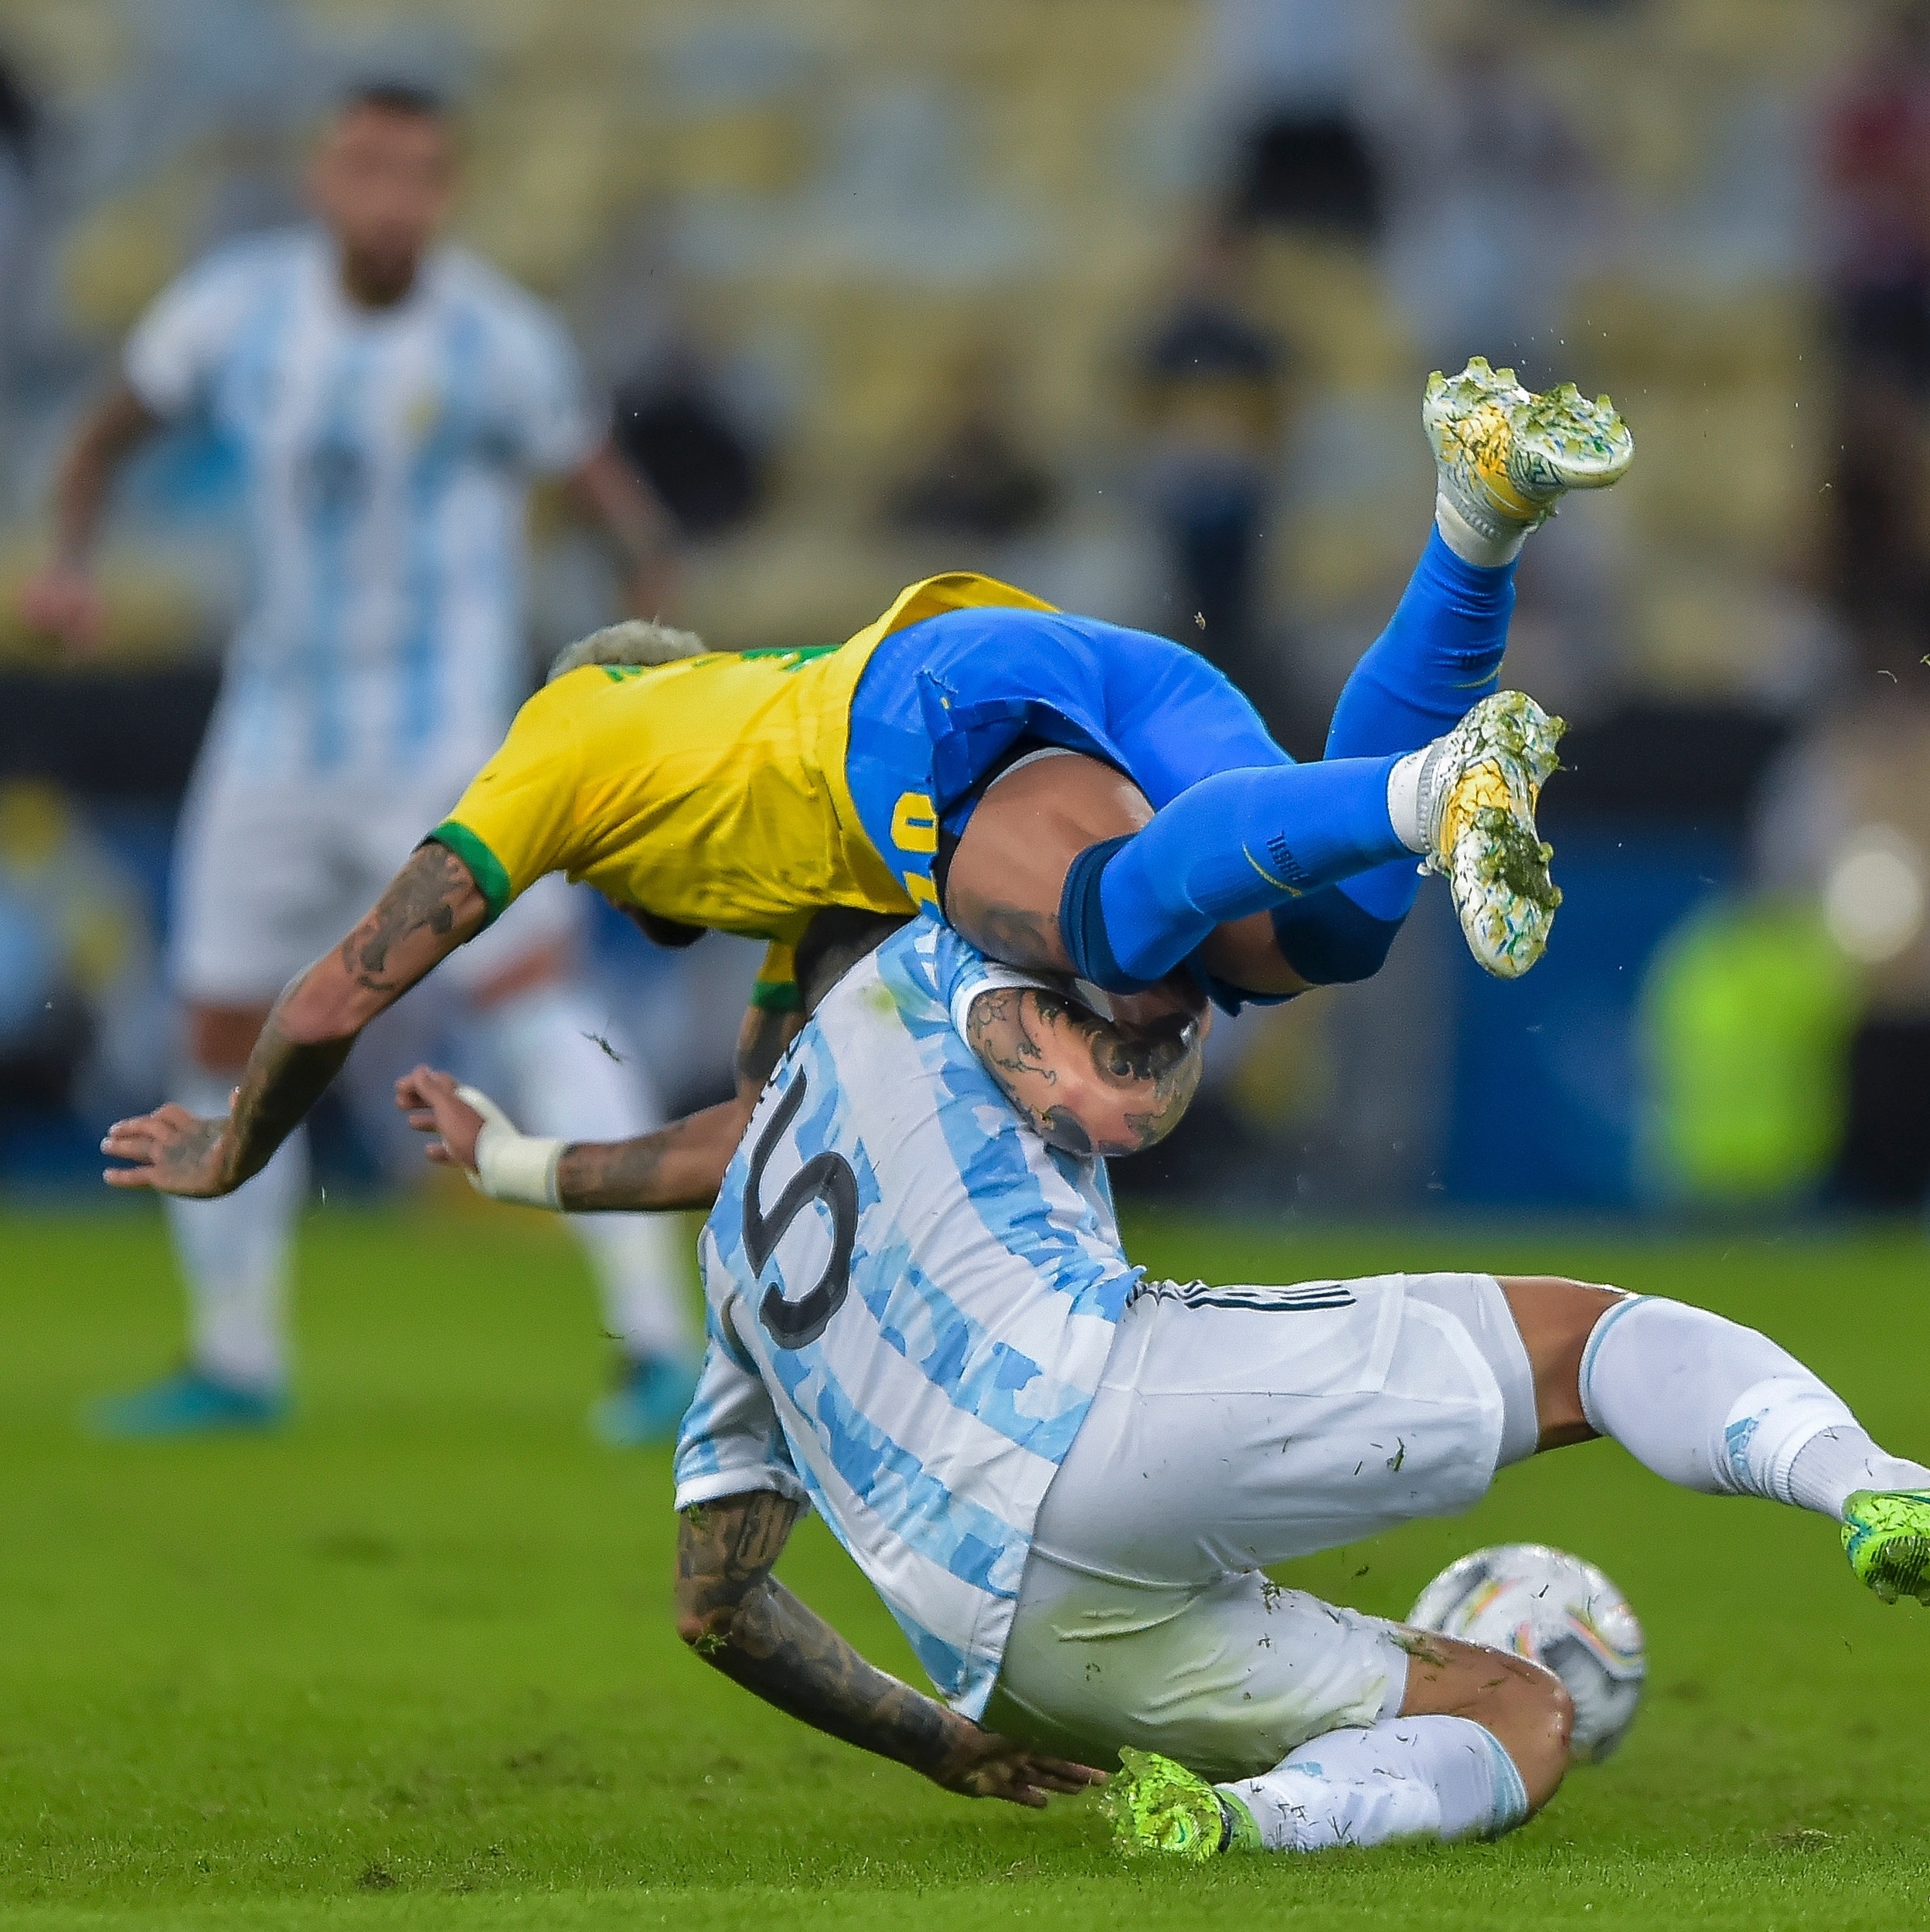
(1555, 1317)
(1531, 1716)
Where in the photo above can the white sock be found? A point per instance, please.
(1715, 1406)
(564, 1084)
(233, 1253)
(1406, 806)
(1444, 1777)
(1835, 1463)
(1472, 546)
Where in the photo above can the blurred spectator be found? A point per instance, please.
(79, 997)
(1847, 822)
(1747, 1012)
(1211, 381)
(19, 130)
(676, 429)
(1309, 171)
(1876, 163)
(1296, 78)
(1496, 208)
(1877, 172)
(977, 481)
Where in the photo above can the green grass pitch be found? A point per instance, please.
(411, 1662)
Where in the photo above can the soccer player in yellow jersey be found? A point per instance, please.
(1073, 796)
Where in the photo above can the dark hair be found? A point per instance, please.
(396, 97)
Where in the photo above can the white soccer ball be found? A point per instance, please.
(1547, 1605)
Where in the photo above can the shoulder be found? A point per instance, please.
(229, 282)
(505, 308)
(254, 263)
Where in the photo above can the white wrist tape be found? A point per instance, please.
(511, 1166)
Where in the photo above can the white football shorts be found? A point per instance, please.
(1237, 1427)
(269, 876)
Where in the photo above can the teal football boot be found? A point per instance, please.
(189, 1403)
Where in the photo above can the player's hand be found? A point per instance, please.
(981, 1763)
(172, 1152)
(433, 1105)
(63, 601)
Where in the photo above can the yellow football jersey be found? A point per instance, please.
(710, 790)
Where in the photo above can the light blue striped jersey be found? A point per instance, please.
(386, 456)
(910, 1298)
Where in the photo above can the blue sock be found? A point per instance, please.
(1439, 657)
(1236, 842)
(1312, 842)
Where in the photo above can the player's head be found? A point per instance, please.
(1089, 1083)
(1142, 1078)
(382, 177)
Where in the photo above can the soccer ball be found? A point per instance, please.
(1562, 1612)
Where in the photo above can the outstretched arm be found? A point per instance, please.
(62, 599)
(431, 908)
(1086, 1085)
(633, 517)
(740, 1619)
(679, 1166)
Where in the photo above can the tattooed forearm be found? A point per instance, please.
(282, 1079)
(741, 1621)
(679, 1166)
(432, 905)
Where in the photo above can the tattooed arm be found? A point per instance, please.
(431, 907)
(1085, 1084)
(681, 1165)
(740, 1619)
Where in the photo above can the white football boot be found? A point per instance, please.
(1505, 455)
(1479, 786)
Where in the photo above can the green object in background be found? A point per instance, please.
(1747, 1017)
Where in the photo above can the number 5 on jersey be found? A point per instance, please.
(826, 1179)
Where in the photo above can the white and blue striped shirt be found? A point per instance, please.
(385, 456)
(911, 1299)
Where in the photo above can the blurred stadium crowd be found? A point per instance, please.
(1129, 301)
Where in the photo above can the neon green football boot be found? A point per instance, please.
(1505, 455)
(1886, 1535)
(1159, 1807)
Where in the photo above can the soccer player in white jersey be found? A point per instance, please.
(1064, 1479)
(391, 400)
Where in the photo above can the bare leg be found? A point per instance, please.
(1525, 1706)
(233, 1253)
(1003, 890)
(1556, 1319)
(1009, 873)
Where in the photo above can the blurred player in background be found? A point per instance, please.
(391, 401)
